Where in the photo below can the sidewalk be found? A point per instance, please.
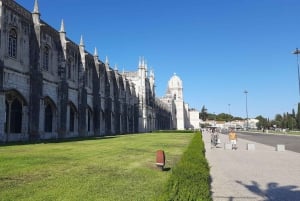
(252, 175)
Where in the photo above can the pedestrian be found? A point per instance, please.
(233, 139)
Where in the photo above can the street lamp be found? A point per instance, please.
(297, 52)
(246, 92)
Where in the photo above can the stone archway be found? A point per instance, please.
(14, 106)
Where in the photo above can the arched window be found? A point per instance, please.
(72, 119)
(48, 118)
(46, 58)
(12, 43)
(16, 116)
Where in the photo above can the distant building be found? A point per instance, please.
(236, 124)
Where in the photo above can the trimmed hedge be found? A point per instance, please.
(190, 179)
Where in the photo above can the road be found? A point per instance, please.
(291, 143)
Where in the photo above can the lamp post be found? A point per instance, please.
(246, 92)
(297, 52)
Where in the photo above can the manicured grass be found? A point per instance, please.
(116, 168)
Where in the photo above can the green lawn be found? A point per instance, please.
(115, 168)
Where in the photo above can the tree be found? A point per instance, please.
(237, 118)
(284, 120)
(277, 121)
(291, 122)
(211, 116)
(262, 122)
(293, 114)
(203, 114)
(298, 117)
(224, 117)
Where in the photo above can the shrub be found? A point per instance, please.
(190, 179)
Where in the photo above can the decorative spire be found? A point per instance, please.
(96, 52)
(106, 60)
(151, 73)
(140, 62)
(143, 61)
(62, 26)
(36, 14)
(36, 7)
(81, 41)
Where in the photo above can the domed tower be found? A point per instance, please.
(175, 93)
(175, 87)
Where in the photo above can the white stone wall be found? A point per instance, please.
(180, 114)
(73, 96)
(194, 119)
(14, 80)
(50, 89)
(21, 62)
(187, 122)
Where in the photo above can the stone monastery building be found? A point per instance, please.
(51, 87)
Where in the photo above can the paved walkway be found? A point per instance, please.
(262, 174)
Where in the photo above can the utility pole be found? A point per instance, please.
(297, 52)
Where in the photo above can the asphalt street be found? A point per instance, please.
(291, 142)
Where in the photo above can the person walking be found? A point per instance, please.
(233, 139)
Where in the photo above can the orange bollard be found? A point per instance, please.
(160, 159)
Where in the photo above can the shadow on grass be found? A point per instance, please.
(163, 169)
(59, 140)
(166, 169)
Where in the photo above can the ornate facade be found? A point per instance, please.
(51, 87)
(182, 117)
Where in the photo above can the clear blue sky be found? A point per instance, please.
(219, 48)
